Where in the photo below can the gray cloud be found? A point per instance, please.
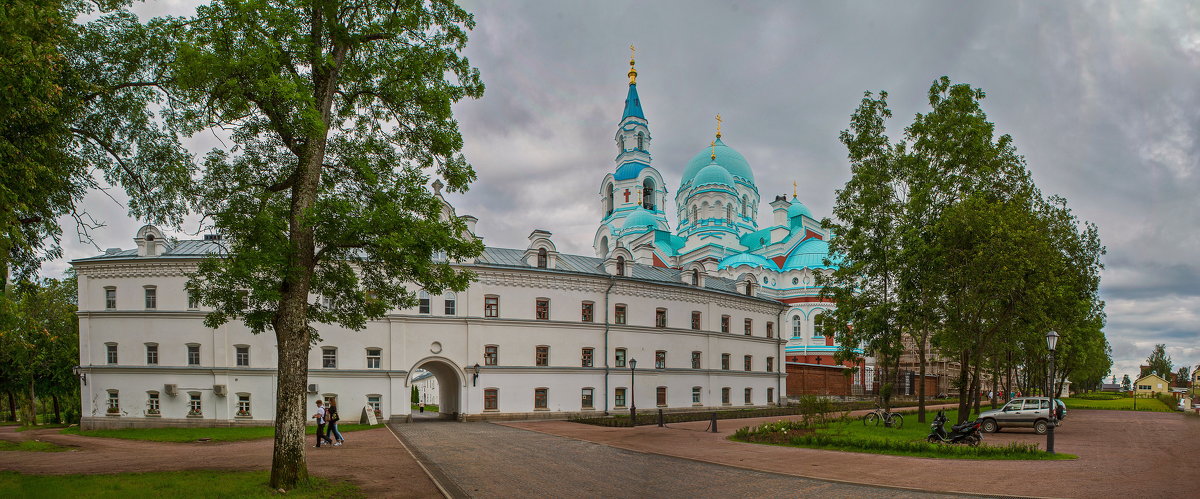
(1101, 98)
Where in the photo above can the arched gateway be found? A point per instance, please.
(451, 382)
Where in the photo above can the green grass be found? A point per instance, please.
(853, 436)
(30, 446)
(230, 434)
(428, 408)
(42, 427)
(190, 484)
(1121, 404)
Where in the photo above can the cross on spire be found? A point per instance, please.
(794, 195)
(719, 125)
(632, 70)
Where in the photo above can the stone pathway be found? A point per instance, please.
(491, 460)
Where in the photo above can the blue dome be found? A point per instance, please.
(750, 259)
(810, 254)
(728, 158)
(713, 174)
(797, 208)
(638, 219)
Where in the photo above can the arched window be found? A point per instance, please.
(542, 261)
(608, 201)
(695, 214)
(750, 287)
(621, 144)
(796, 326)
(620, 265)
(648, 194)
(604, 246)
(746, 206)
(729, 214)
(817, 333)
(641, 141)
(695, 277)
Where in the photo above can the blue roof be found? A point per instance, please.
(809, 254)
(633, 105)
(629, 170)
(639, 218)
(797, 208)
(713, 174)
(728, 158)
(756, 239)
(750, 259)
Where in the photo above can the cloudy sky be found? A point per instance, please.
(1102, 98)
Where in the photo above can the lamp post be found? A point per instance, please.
(475, 375)
(632, 398)
(1051, 343)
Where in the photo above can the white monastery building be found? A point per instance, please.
(709, 312)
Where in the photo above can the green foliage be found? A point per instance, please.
(193, 484)
(1159, 362)
(416, 395)
(224, 434)
(39, 341)
(1121, 404)
(1100, 396)
(30, 446)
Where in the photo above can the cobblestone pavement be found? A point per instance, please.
(490, 460)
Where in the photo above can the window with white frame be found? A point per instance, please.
(451, 303)
(586, 398)
(587, 314)
(151, 297)
(491, 355)
(152, 354)
(542, 356)
(114, 402)
(696, 360)
(193, 354)
(242, 355)
(374, 358)
(660, 317)
(619, 397)
(749, 326)
(243, 405)
(619, 355)
(796, 326)
(619, 314)
(770, 395)
(423, 302)
(660, 359)
(329, 357)
(724, 323)
(541, 310)
(110, 353)
(152, 404)
(586, 360)
(770, 364)
(695, 395)
(193, 301)
(194, 407)
(375, 401)
(110, 298)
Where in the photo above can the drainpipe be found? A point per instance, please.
(782, 366)
(611, 282)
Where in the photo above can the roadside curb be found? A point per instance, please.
(445, 485)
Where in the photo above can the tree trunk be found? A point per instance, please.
(57, 410)
(921, 387)
(288, 465)
(976, 385)
(12, 406)
(32, 404)
(964, 386)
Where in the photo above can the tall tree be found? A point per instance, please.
(1159, 362)
(340, 112)
(41, 341)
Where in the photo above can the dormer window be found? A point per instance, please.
(149, 244)
(641, 141)
(542, 260)
(621, 144)
(695, 277)
(620, 265)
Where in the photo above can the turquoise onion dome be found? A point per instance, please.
(810, 254)
(639, 218)
(749, 259)
(797, 208)
(728, 158)
(713, 174)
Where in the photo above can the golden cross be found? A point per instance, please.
(713, 144)
(632, 51)
(718, 125)
(794, 189)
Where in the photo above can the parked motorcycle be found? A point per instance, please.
(965, 433)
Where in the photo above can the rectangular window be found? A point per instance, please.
(770, 395)
(696, 320)
(661, 396)
(695, 395)
(329, 358)
(539, 398)
(587, 357)
(243, 406)
(542, 356)
(542, 309)
(491, 306)
(111, 353)
(725, 361)
(491, 354)
(451, 304)
(152, 355)
(620, 354)
(110, 298)
(588, 311)
(193, 301)
(660, 317)
(695, 360)
(770, 329)
(749, 400)
(243, 356)
(491, 400)
(660, 359)
(619, 316)
(423, 303)
(193, 355)
(619, 397)
(114, 402)
(586, 398)
(770, 364)
(374, 358)
(725, 395)
(194, 408)
(151, 298)
(375, 403)
(152, 406)
(724, 323)
(746, 362)
(749, 326)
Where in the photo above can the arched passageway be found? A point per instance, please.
(450, 384)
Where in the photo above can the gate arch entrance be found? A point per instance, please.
(451, 383)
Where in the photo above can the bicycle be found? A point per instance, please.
(890, 419)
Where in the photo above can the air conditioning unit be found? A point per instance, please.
(312, 388)
(219, 390)
(171, 389)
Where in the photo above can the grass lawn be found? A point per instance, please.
(428, 408)
(191, 484)
(30, 445)
(1121, 404)
(230, 434)
(853, 436)
(42, 427)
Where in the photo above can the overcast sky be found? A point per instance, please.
(1103, 100)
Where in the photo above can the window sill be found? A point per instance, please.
(153, 415)
(587, 409)
(248, 416)
(491, 410)
(661, 405)
(113, 414)
(620, 407)
(539, 409)
(697, 404)
(196, 416)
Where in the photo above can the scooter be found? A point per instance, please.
(965, 433)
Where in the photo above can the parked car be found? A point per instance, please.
(1023, 412)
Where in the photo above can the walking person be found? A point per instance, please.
(422, 406)
(320, 416)
(332, 415)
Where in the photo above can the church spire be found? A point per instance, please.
(632, 70)
(633, 105)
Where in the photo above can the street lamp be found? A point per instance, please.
(632, 398)
(475, 377)
(1051, 343)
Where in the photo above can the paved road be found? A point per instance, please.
(489, 460)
